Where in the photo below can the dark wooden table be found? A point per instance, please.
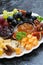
(35, 57)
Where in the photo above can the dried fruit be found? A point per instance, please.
(28, 47)
(37, 34)
(36, 22)
(23, 12)
(18, 51)
(8, 50)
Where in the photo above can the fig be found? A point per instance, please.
(36, 22)
(37, 34)
(42, 33)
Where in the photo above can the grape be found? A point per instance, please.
(17, 15)
(5, 14)
(18, 19)
(20, 22)
(14, 23)
(10, 14)
(15, 11)
(34, 17)
(10, 19)
(30, 21)
(28, 13)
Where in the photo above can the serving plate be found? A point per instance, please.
(24, 51)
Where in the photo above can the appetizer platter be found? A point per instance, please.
(20, 32)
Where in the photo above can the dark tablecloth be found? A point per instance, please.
(36, 56)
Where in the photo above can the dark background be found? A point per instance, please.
(36, 56)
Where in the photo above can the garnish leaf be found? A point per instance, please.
(20, 35)
(40, 18)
